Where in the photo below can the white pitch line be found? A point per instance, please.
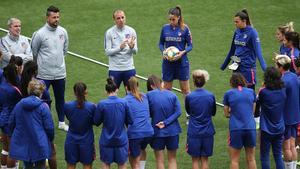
(105, 65)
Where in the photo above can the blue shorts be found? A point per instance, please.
(136, 145)
(118, 155)
(84, 153)
(249, 74)
(38, 164)
(121, 76)
(242, 138)
(171, 143)
(290, 131)
(5, 130)
(175, 70)
(200, 147)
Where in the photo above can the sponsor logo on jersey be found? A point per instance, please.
(236, 42)
(173, 39)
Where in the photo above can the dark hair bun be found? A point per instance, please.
(110, 80)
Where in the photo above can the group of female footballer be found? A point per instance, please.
(129, 124)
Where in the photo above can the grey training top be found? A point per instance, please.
(120, 59)
(17, 46)
(49, 46)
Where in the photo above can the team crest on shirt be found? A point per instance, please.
(245, 36)
(127, 36)
(179, 33)
(23, 44)
(61, 37)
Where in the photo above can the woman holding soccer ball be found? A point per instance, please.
(176, 34)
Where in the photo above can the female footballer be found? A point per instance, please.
(114, 113)
(200, 105)
(291, 42)
(33, 129)
(246, 47)
(79, 143)
(164, 111)
(281, 30)
(10, 96)
(271, 98)
(291, 110)
(176, 33)
(239, 105)
(141, 131)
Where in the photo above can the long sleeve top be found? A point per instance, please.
(17, 46)
(245, 45)
(164, 107)
(49, 46)
(114, 113)
(120, 59)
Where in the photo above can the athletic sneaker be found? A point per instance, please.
(63, 126)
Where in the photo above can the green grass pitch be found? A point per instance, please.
(211, 24)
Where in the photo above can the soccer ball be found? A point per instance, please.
(171, 52)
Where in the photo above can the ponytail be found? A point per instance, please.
(289, 27)
(132, 86)
(110, 86)
(80, 90)
(243, 14)
(29, 72)
(177, 12)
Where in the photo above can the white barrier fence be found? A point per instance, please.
(103, 64)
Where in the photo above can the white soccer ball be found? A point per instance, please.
(171, 52)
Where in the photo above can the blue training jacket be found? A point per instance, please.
(114, 113)
(80, 122)
(291, 110)
(10, 95)
(174, 36)
(34, 130)
(246, 45)
(272, 104)
(241, 101)
(140, 113)
(201, 106)
(164, 106)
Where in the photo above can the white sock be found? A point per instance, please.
(61, 123)
(142, 164)
(17, 165)
(3, 166)
(257, 119)
(288, 165)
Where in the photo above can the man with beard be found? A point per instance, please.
(49, 47)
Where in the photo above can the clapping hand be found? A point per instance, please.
(131, 42)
